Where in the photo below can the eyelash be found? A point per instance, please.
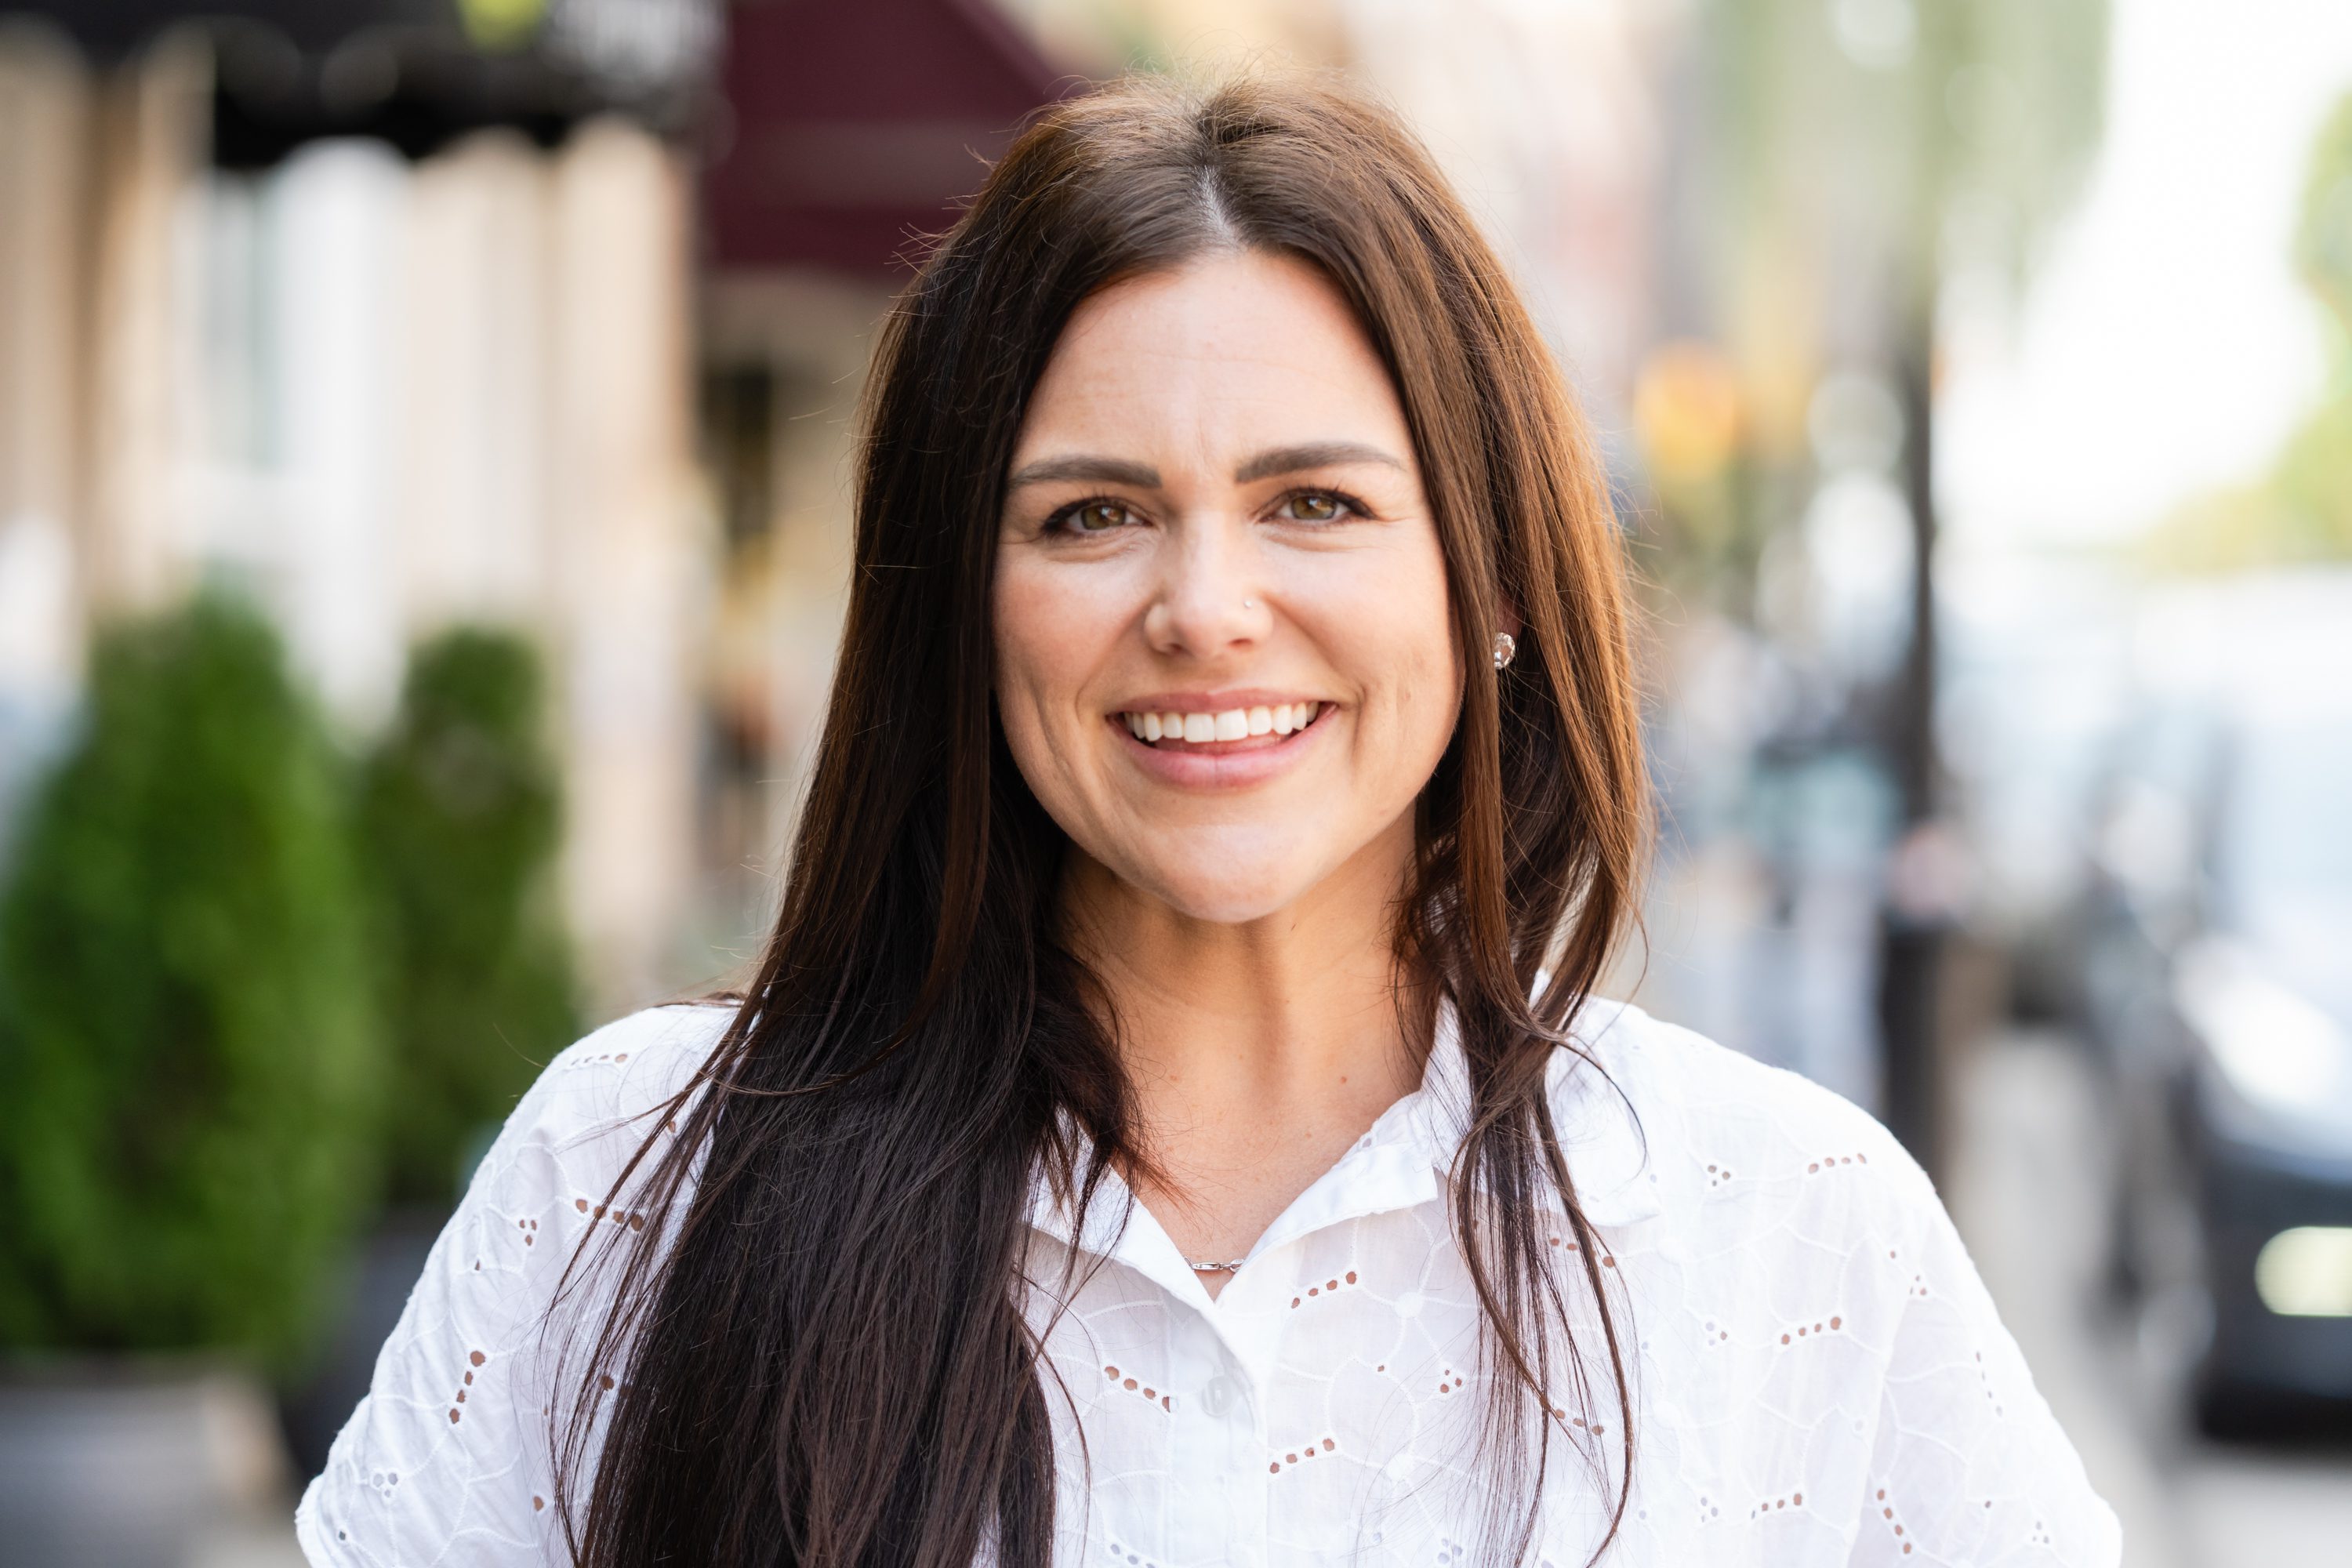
(1059, 521)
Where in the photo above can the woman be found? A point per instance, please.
(1170, 1124)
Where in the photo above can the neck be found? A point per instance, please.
(1256, 1051)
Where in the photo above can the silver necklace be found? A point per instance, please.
(1214, 1267)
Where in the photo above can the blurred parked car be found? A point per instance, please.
(2217, 991)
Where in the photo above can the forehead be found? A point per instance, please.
(1234, 350)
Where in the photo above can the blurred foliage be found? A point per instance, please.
(185, 1018)
(2322, 240)
(2301, 511)
(459, 824)
(1852, 153)
(1917, 129)
(501, 24)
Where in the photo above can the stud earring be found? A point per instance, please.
(1506, 649)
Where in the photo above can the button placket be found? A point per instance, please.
(1216, 1502)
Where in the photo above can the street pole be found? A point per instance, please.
(1912, 930)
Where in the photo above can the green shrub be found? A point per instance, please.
(459, 820)
(186, 1044)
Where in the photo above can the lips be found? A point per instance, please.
(1216, 766)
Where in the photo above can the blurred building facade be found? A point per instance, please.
(850, 133)
(390, 332)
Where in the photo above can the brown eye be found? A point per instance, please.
(1313, 506)
(1098, 517)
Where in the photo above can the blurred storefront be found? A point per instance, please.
(381, 312)
(849, 133)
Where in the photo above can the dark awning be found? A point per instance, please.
(855, 126)
(416, 73)
(110, 29)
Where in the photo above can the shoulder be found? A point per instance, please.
(614, 1080)
(1790, 1255)
(592, 1124)
(1694, 1085)
(1713, 1124)
(447, 1457)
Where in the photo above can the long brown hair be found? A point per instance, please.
(829, 1364)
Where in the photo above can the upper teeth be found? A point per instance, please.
(1233, 724)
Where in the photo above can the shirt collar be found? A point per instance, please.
(1600, 1131)
(1404, 1159)
(1598, 1096)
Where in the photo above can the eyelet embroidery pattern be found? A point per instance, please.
(1886, 1516)
(1143, 1390)
(1327, 1287)
(1567, 1246)
(1820, 1328)
(1984, 1376)
(633, 1218)
(475, 1359)
(1374, 1398)
(1574, 1425)
(1306, 1450)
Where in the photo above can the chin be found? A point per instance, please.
(1235, 898)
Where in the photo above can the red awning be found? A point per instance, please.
(856, 125)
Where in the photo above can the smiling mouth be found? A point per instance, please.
(1181, 731)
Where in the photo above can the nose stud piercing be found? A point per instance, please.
(1249, 603)
(1504, 650)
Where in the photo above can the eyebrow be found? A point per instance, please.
(1086, 470)
(1312, 455)
(1265, 465)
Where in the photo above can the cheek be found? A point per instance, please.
(1410, 671)
(1049, 636)
(1028, 626)
(1429, 696)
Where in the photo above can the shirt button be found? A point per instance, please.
(1218, 1396)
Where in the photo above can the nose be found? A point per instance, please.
(1210, 598)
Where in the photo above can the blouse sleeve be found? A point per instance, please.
(1968, 1465)
(447, 1458)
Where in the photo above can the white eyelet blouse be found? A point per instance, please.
(1818, 1376)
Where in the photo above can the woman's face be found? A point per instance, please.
(1214, 534)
